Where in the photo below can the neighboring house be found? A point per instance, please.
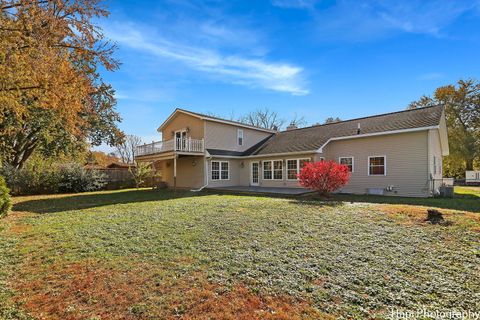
(396, 153)
(472, 177)
(120, 165)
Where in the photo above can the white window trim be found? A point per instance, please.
(263, 169)
(298, 167)
(181, 131)
(273, 170)
(219, 170)
(240, 134)
(385, 166)
(348, 157)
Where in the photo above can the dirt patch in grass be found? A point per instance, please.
(92, 290)
(14, 224)
(415, 215)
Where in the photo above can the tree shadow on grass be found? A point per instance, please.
(79, 201)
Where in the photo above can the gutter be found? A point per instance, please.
(206, 175)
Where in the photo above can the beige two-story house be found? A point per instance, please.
(396, 153)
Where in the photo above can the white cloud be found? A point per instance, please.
(355, 20)
(427, 17)
(234, 68)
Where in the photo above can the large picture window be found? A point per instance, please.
(294, 166)
(273, 170)
(377, 166)
(347, 161)
(220, 170)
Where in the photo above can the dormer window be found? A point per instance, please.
(240, 137)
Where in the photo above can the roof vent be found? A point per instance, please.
(359, 130)
(292, 126)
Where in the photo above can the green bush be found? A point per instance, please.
(32, 179)
(42, 178)
(5, 200)
(75, 178)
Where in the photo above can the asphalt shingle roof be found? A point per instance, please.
(312, 138)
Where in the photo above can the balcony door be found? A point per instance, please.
(180, 140)
(254, 173)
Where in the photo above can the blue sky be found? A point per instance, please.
(346, 58)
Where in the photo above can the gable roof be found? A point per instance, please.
(316, 137)
(211, 118)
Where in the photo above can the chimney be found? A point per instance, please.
(291, 126)
(359, 129)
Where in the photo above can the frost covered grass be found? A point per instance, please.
(148, 255)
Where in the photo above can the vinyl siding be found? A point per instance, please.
(234, 178)
(224, 137)
(182, 121)
(188, 175)
(406, 163)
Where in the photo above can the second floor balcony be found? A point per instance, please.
(186, 145)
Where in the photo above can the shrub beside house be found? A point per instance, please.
(5, 201)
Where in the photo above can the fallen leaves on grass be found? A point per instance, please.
(92, 290)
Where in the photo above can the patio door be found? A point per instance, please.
(254, 173)
(180, 140)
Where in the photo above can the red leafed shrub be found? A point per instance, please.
(324, 176)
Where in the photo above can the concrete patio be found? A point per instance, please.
(263, 190)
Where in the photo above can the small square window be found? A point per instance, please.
(347, 161)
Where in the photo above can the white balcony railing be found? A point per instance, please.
(178, 144)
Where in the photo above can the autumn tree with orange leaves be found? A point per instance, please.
(462, 112)
(52, 98)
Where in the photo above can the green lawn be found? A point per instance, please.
(155, 255)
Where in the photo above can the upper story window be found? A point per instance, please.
(220, 170)
(377, 166)
(346, 161)
(240, 137)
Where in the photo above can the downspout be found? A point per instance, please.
(206, 175)
(430, 181)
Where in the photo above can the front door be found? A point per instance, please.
(180, 140)
(255, 168)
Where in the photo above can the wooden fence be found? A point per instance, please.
(120, 178)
